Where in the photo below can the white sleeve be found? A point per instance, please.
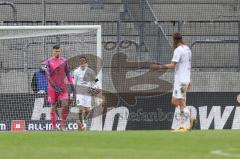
(75, 76)
(176, 56)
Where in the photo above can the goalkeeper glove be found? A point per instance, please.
(73, 90)
(57, 89)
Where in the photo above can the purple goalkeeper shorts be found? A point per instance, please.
(54, 97)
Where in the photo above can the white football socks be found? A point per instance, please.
(186, 112)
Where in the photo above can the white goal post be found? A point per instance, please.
(22, 52)
(14, 37)
(40, 31)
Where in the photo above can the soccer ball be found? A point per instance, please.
(94, 89)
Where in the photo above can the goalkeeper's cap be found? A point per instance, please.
(177, 36)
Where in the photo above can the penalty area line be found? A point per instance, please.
(225, 153)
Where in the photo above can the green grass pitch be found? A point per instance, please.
(211, 144)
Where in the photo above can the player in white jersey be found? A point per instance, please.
(181, 62)
(84, 79)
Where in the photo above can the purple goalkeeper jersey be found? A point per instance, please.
(58, 72)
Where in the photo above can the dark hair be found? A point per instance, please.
(83, 57)
(177, 36)
(177, 39)
(56, 47)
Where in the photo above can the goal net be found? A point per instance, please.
(22, 51)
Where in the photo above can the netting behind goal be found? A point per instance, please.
(23, 49)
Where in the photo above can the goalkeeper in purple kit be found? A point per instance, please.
(58, 76)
